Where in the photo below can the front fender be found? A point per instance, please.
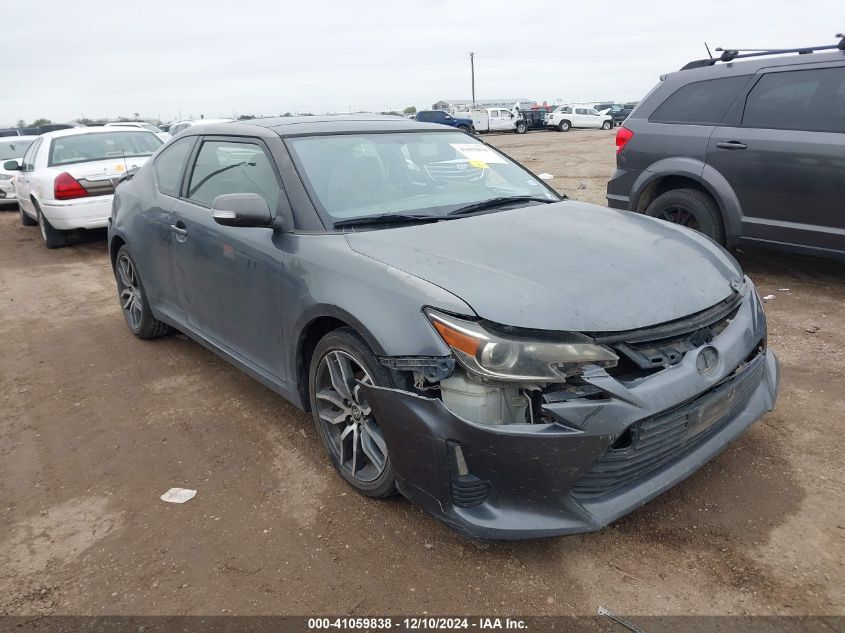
(324, 277)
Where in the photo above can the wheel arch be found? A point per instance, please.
(314, 326)
(689, 173)
(114, 246)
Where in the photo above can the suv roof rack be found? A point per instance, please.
(730, 54)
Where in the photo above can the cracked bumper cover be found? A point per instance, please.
(533, 471)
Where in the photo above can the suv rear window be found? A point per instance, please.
(701, 102)
(807, 100)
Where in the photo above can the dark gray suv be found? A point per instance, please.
(749, 151)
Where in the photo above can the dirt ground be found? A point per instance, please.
(95, 425)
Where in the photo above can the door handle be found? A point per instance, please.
(732, 145)
(181, 232)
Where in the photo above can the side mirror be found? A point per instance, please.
(241, 209)
(11, 165)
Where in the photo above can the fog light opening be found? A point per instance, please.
(623, 441)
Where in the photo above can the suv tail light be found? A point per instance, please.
(623, 135)
(66, 187)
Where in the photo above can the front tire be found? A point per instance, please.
(133, 300)
(521, 128)
(691, 208)
(342, 415)
(606, 125)
(564, 126)
(53, 238)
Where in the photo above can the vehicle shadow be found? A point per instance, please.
(764, 262)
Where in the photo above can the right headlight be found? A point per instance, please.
(503, 357)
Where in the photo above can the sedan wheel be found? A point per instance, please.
(133, 301)
(606, 125)
(341, 364)
(130, 292)
(354, 437)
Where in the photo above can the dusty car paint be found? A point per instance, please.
(557, 267)
(259, 295)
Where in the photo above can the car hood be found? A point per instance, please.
(562, 266)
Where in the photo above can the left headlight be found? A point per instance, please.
(500, 356)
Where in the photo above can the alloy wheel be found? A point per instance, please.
(354, 438)
(677, 214)
(130, 292)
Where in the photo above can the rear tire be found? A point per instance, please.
(691, 208)
(133, 300)
(343, 412)
(53, 238)
(25, 219)
(564, 126)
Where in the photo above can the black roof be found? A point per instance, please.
(310, 125)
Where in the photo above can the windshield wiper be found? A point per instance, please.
(386, 218)
(496, 202)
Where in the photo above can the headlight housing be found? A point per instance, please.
(518, 359)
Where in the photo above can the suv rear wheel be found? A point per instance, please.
(690, 208)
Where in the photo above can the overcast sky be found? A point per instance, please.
(63, 59)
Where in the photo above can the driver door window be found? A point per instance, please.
(223, 167)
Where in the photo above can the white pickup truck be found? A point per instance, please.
(566, 117)
(496, 120)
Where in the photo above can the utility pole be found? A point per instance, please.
(472, 71)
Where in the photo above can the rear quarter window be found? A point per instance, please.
(811, 100)
(170, 164)
(700, 102)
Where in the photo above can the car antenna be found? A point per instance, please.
(709, 54)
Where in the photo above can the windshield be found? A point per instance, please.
(427, 173)
(13, 148)
(81, 148)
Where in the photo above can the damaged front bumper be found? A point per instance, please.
(596, 461)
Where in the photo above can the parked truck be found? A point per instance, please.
(497, 120)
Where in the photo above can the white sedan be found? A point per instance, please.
(564, 118)
(66, 179)
(11, 148)
(141, 125)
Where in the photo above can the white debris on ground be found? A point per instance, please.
(768, 297)
(178, 495)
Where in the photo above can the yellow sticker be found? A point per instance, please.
(119, 167)
(478, 163)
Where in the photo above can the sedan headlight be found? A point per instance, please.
(500, 356)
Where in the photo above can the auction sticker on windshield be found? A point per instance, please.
(478, 152)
